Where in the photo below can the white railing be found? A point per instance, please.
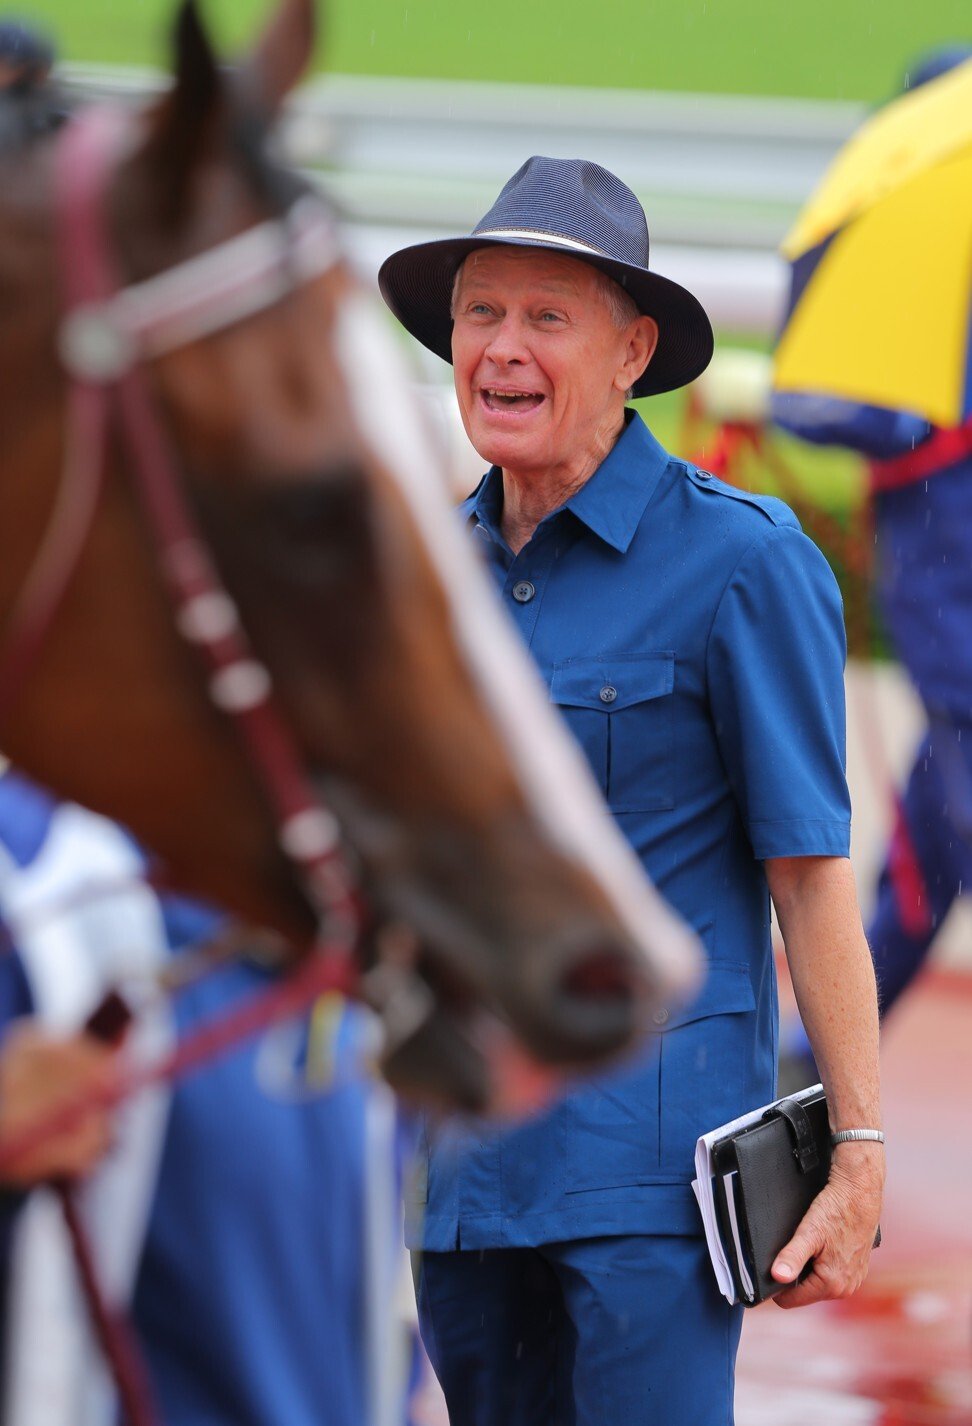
(721, 177)
(716, 170)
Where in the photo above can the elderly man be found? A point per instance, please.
(693, 637)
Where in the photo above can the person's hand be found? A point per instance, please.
(837, 1231)
(38, 1072)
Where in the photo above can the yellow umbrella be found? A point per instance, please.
(881, 295)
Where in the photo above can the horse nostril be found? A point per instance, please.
(602, 974)
(588, 1003)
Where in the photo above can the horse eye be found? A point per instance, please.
(312, 530)
(306, 506)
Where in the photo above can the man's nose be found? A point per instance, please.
(507, 344)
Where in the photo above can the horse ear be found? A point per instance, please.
(182, 124)
(197, 89)
(283, 52)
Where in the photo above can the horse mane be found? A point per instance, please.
(278, 186)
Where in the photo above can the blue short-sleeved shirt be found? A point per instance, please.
(693, 638)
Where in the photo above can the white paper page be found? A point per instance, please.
(747, 1282)
(702, 1188)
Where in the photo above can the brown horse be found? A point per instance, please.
(472, 816)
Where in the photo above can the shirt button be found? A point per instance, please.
(608, 693)
(661, 1017)
(705, 475)
(523, 592)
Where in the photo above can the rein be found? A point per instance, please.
(108, 331)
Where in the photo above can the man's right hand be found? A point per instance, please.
(39, 1071)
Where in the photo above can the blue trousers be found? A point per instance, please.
(924, 588)
(936, 813)
(599, 1332)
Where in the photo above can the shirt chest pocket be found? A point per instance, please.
(621, 710)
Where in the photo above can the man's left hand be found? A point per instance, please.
(838, 1230)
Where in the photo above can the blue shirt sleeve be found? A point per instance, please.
(775, 664)
(188, 922)
(873, 431)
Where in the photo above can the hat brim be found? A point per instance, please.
(417, 282)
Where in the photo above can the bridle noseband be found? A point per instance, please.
(108, 331)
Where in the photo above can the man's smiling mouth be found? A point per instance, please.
(510, 399)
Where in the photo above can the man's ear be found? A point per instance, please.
(183, 125)
(282, 54)
(641, 343)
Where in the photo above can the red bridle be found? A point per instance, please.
(108, 331)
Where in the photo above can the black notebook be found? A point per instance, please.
(756, 1178)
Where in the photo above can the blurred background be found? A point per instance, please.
(723, 115)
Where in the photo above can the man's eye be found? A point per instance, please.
(479, 309)
(550, 316)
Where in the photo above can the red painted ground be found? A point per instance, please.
(900, 1352)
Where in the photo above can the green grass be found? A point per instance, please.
(835, 49)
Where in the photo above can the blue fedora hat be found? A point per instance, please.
(572, 207)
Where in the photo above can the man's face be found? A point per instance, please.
(541, 368)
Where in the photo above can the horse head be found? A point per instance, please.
(473, 816)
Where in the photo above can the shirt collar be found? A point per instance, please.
(486, 501)
(615, 498)
(611, 503)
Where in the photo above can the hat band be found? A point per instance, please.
(539, 233)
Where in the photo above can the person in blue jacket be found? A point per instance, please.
(921, 488)
(693, 638)
(245, 1217)
(30, 103)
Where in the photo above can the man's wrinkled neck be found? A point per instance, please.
(529, 496)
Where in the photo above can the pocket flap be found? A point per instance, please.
(728, 990)
(614, 682)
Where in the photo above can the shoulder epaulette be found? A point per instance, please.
(775, 510)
